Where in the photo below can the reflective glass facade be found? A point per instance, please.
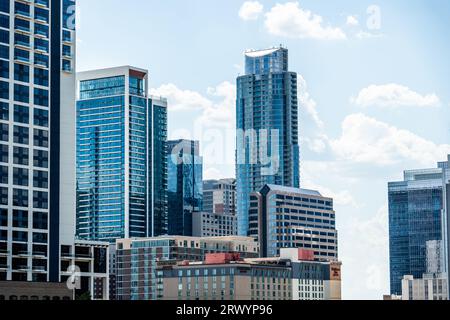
(185, 185)
(267, 125)
(115, 156)
(415, 206)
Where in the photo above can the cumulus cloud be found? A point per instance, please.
(291, 21)
(367, 140)
(251, 10)
(352, 21)
(307, 102)
(218, 107)
(394, 95)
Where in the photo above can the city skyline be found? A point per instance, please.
(396, 76)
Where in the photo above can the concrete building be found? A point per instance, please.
(19, 290)
(415, 217)
(228, 277)
(430, 287)
(136, 259)
(219, 196)
(284, 217)
(268, 149)
(205, 224)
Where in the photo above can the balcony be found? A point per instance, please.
(42, 3)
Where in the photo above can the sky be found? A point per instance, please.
(373, 90)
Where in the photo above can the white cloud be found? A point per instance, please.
(311, 172)
(291, 21)
(368, 35)
(307, 102)
(181, 100)
(367, 140)
(394, 95)
(352, 21)
(251, 10)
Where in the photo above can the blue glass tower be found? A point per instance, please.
(185, 185)
(115, 155)
(415, 216)
(267, 128)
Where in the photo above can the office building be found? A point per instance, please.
(446, 219)
(185, 185)
(37, 139)
(205, 224)
(267, 128)
(229, 277)
(121, 170)
(219, 196)
(415, 206)
(285, 217)
(136, 259)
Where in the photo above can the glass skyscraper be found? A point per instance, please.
(415, 215)
(185, 185)
(115, 155)
(267, 128)
(37, 137)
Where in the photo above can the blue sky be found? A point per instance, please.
(374, 94)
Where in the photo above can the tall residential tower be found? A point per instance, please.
(121, 134)
(267, 128)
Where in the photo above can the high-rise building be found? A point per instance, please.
(219, 196)
(136, 259)
(445, 166)
(285, 217)
(159, 221)
(185, 185)
(267, 127)
(415, 206)
(37, 137)
(121, 134)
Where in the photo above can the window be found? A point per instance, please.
(4, 52)
(21, 114)
(3, 217)
(4, 132)
(4, 21)
(41, 59)
(20, 219)
(4, 36)
(4, 6)
(40, 159)
(21, 24)
(41, 29)
(20, 236)
(4, 196)
(22, 40)
(41, 138)
(67, 37)
(4, 153)
(21, 93)
(21, 55)
(4, 174)
(40, 179)
(40, 238)
(4, 90)
(4, 111)
(21, 8)
(41, 14)
(41, 97)
(20, 177)
(40, 200)
(40, 44)
(67, 51)
(4, 69)
(40, 220)
(20, 198)
(20, 156)
(40, 117)
(21, 72)
(41, 77)
(21, 135)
